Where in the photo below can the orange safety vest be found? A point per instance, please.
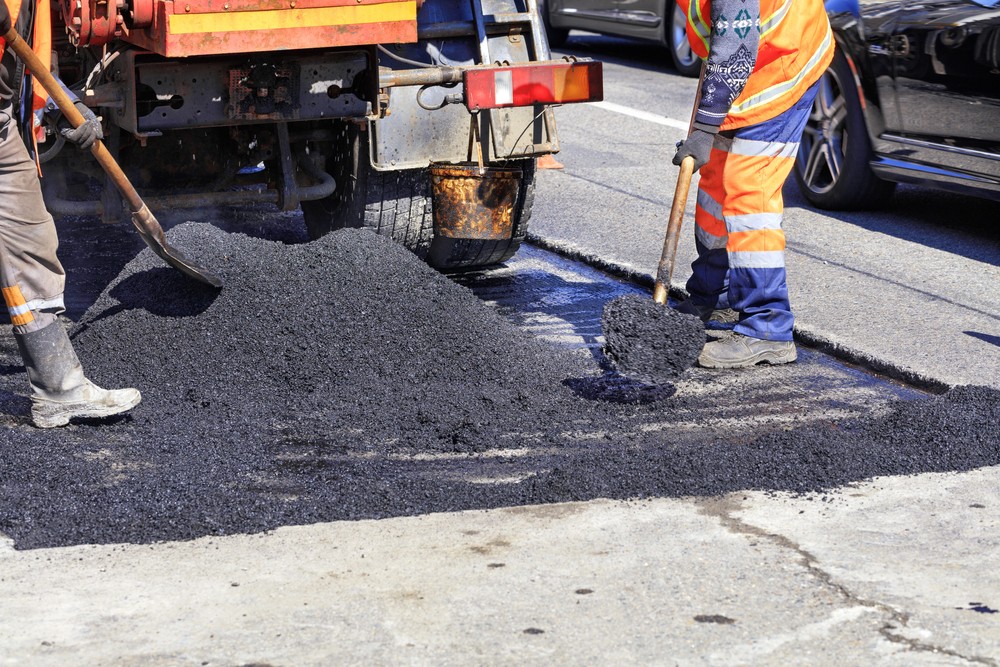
(41, 44)
(796, 46)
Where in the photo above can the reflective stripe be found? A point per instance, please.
(709, 205)
(754, 148)
(770, 94)
(775, 19)
(701, 28)
(757, 260)
(753, 222)
(709, 240)
(20, 312)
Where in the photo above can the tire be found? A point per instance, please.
(833, 166)
(685, 61)
(398, 204)
(557, 36)
(392, 203)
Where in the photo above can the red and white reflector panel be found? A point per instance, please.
(553, 82)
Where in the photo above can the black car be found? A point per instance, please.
(913, 96)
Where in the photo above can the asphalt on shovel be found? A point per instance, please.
(143, 219)
(647, 340)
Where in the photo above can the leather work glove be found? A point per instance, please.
(85, 135)
(4, 18)
(698, 145)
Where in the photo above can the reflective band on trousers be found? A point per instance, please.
(20, 312)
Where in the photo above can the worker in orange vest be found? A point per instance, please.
(763, 61)
(31, 277)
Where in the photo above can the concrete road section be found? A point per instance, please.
(867, 577)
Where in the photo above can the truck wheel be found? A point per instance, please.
(392, 203)
(833, 166)
(398, 204)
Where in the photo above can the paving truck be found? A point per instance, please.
(419, 119)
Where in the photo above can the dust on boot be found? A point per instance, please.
(735, 350)
(59, 390)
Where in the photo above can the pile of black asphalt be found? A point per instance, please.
(344, 379)
(648, 341)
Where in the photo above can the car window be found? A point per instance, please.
(987, 3)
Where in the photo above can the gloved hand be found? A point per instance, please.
(698, 145)
(85, 135)
(4, 18)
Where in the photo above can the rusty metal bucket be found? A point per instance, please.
(473, 205)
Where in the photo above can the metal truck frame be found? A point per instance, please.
(420, 119)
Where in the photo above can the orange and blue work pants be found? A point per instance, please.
(741, 245)
(31, 277)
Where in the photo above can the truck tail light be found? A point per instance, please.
(554, 82)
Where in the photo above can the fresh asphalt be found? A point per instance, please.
(890, 571)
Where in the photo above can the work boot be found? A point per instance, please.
(708, 313)
(59, 390)
(736, 351)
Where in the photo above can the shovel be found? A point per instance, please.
(665, 269)
(143, 219)
(647, 340)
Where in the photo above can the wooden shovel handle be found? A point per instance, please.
(665, 269)
(38, 70)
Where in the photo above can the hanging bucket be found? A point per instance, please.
(473, 205)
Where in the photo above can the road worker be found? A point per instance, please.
(31, 276)
(763, 62)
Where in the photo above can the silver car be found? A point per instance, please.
(660, 21)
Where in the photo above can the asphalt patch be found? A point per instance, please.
(344, 379)
(649, 341)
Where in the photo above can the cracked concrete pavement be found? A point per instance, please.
(747, 579)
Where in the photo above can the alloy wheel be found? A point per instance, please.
(825, 137)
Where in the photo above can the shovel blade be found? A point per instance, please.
(151, 232)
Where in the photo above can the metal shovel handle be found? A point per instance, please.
(144, 221)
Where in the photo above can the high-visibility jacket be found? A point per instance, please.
(41, 44)
(796, 46)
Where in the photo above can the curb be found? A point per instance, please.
(810, 338)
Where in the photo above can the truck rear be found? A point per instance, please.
(421, 120)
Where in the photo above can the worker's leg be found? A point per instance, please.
(708, 285)
(758, 162)
(760, 159)
(709, 281)
(32, 281)
(32, 277)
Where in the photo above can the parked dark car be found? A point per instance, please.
(660, 21)
(912, 96)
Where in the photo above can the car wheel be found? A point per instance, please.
(833, 166)
(557, 36)
(685, 61)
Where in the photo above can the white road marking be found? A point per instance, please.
(642, 115)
